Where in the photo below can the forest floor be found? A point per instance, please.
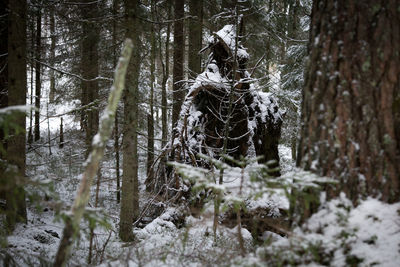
(337, 235)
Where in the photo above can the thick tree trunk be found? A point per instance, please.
(179, 48)
(351, 100)
(3, 86)
(38, 83)
(195, 37)
(90, 68)
(15, 195)
(130, 195)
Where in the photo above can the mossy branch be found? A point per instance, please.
(71, 229)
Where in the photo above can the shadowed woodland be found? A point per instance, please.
(199, 132)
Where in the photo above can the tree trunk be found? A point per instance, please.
(116, 126)
(150, 117)
(351, 100)
(61, 145)
(3, 87)
(179, 49)
(32, 54)
(52, 55)
(130, 195)
(38, 83)
(195, 36)
(15, 195)
(164, 103)
(90, 68)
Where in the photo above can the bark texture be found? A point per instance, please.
(150, 116)
(90, 68)
(179, 49)
(38, 83)
(15, 195)
(3, 87)
(130, 193)
(351, 100)
(195, 36)
(52, 91)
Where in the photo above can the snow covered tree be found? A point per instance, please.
(351, 99)
(223, 112)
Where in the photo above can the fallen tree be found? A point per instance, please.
(223, 114)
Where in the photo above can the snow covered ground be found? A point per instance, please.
(337, 235)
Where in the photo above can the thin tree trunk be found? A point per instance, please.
(52, 55)
(38, 83)
(150, 117)
(48, 128)
(164, 103)
(71, 229)
(61, 145)
(30, 133)
(96, 203)
(116, 129)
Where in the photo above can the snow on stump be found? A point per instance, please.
(217, 98)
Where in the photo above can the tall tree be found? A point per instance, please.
(116, 125)
(52, 91)
(130, 194)
(164, 103)
(351, 99)
(38, 83)
(195, 36)
(179, 49)
(3, 89)
(15, 195)
(90, 67)
(150, 116)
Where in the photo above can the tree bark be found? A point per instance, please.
(116, 126)
(195, 36)
(15, 195)
(179, 49)
(3, 87)
(150, 117)
(90, 67)
(164, 103)
(130, 195)
(52, 55)
(38, 83)
(351, 99)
